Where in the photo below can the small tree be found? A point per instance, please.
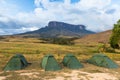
(115, 38)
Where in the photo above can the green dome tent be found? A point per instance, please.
(71, 62)
(102, 61)
(17, 62)
(49, 63)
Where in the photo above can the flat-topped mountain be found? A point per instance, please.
(59, 29)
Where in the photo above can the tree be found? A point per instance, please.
(115, 38)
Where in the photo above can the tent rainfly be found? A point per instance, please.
(17, 62)
(49, 63)
(102, 61)
(71, 62)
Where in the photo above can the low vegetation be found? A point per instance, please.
(106, 48)
(34, 50)
(61, 41)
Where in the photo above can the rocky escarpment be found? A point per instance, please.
(59, 29)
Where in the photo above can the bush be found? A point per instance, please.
(110, 50)
(106, 48)
(61, 41)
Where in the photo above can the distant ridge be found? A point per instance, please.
(58, 29)
(102, 37)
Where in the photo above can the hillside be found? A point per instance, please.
(102, 37)
(58, 29)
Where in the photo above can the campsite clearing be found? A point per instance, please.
(34, 51)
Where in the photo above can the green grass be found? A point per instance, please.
(33, 50)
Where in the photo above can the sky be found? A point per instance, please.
(18, 16)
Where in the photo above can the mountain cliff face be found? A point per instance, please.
(66, 26)
(59, 29)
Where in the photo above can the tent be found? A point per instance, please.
(17, 62)
(71, 62)
(102, 61)
(49, 63)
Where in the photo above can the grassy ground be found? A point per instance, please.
(34, 50)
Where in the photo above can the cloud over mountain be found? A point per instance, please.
(97, 15)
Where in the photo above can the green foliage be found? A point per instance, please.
(61, 41)
(110, 50)
(106, 48)
(115, 38)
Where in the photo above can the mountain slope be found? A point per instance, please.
(59, 29)
(102, 37)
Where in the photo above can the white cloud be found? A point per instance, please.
(88, 12)
(37, 3)
(2, 32)
(99, 4)
(4, 19)
(24, 29)
(91, 13)
(8, 9)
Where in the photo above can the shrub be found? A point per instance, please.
(106, 48)
(61, 41)
(110, 50)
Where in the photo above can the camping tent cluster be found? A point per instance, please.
(49, 63)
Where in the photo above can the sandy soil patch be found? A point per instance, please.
(80, 75)
(2, 77)
(58, 78)
(101, 76)
(31, 75)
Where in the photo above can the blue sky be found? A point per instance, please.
(24, 5)
(17, 16)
